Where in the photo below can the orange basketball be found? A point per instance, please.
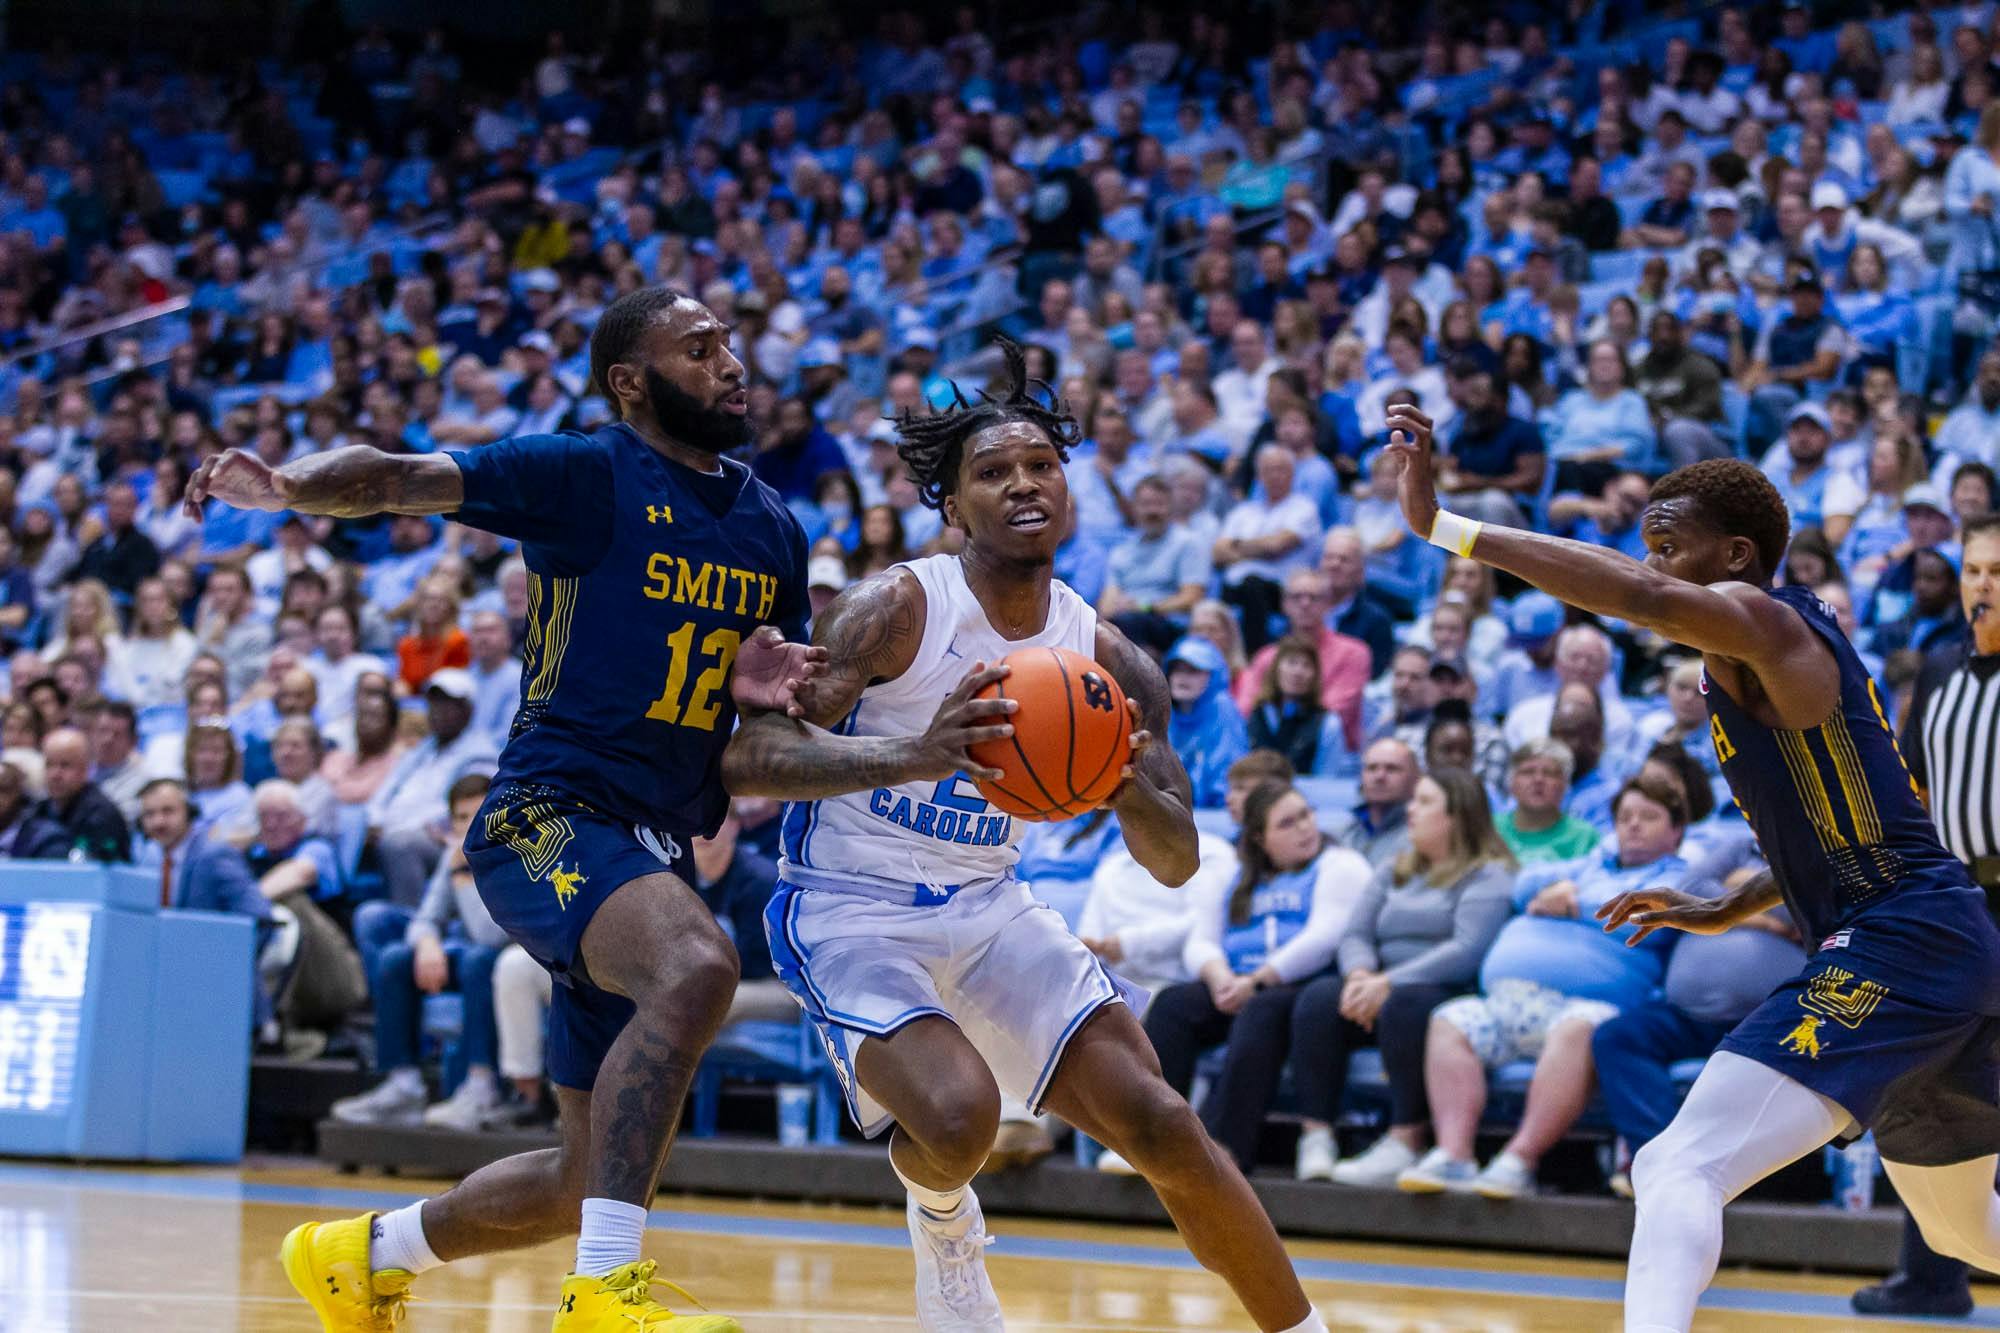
(1072, 736)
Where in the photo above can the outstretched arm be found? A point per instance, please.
(870, 633)
(1155, 804)
(1730, 620)
(1649, 910)
(347, 483)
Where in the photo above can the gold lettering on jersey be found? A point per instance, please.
(1724, 751)
(659, 576)
(671, 578)
(1829, 993)
(693, 587)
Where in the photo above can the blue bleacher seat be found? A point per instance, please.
(406, 184)
(773, 1053)
(350, 842)
(181, 188)
(1593, 297)
(1619, 266)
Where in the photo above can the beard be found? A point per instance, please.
(687, 420)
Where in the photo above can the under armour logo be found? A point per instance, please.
(568, 1305)
(659, 514)
(332, 1287)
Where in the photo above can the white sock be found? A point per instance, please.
(396, 1240)
(1312, 1323)
(610, 1236)
(941, 1204)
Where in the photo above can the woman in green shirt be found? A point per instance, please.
(1536, 829)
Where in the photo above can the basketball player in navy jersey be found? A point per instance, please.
(1892, 1024)
(935, 978)
(657, 569)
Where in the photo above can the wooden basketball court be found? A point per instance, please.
(96, 1250)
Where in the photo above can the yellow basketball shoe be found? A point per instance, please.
(327, 1263)
(620, 1302)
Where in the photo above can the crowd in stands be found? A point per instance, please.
(1591, 242)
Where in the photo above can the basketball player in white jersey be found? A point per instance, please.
(935, 978)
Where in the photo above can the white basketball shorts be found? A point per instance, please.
(1000, 965)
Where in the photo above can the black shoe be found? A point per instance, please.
(1899, 1296)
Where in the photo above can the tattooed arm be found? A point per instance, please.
(1155, 806)
(346, 483)
(871, 633)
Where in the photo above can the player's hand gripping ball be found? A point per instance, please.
(1072, 736)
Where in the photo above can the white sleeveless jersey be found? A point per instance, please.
(936, 836)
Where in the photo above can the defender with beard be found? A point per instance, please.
(653, 562)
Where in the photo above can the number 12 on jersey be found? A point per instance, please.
(700, 708)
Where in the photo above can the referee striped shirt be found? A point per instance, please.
(1952, 742)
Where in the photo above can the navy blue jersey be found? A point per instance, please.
(644, 577)
(1834, 806)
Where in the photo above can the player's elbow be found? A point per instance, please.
(1174, 863)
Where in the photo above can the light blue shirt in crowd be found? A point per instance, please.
(1580, 422)
(1575, 955)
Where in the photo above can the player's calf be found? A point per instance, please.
(1152, 1127)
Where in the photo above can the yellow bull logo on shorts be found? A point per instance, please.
(566, 883)
(1803, 1039)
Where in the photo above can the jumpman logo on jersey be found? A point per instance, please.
(951, 649)
(566, 883)
(659, 514)
(1803, 1039)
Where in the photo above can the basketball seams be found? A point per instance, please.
(1028, 765)
(1069, 703)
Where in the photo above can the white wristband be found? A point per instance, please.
(1454, 532)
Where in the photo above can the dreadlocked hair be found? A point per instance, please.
(622, 324)
(930, 443)
(1737, 500)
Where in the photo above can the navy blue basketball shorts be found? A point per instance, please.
(544, 863)
(1894, 1020)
